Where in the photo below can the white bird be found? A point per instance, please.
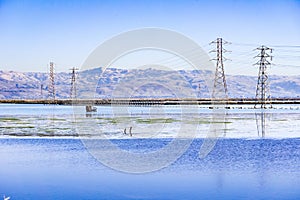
(6, 198)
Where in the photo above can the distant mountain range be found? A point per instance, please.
(150, 82)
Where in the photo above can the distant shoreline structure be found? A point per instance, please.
(153, 101)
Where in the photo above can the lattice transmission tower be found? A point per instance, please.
(51, 85)
(73, 92)
(41, 90)
(263, 96)
(220, 86)
(199, 90)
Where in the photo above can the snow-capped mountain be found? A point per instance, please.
(149, 82)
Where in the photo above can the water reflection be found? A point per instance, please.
(260, 118)
(161, 122)
(63, 169)
(88, 115)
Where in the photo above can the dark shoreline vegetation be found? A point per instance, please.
(153, 101)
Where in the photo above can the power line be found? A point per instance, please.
(271, 45)
(286, 46)
(243, 44)
(285, 65)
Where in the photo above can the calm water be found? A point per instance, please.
(235, 169)
(242, 164)
(148, 122)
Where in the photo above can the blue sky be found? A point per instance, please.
(32, 33)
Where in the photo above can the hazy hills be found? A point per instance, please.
(137, 83)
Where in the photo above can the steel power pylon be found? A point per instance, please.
(263, 90)
(41, 90)
(73, 92)
(51, 86)
(220, 86)
(199, 90)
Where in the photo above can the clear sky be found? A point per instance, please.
(32, 33)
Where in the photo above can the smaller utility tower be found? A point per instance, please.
(51, 86)
(41, 91)
(263, 90)
(73, 92)
(220, 86)
(199, 91)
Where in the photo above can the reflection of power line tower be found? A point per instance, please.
(262, 89)
(51, 86)
(220, 86)
(73, 92)
(261, 123)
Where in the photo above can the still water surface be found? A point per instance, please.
(242, 165)
(235, 169)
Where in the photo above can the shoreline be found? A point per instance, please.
(154, 101)
(143, 138)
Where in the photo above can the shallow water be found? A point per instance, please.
(148, 122)
(234, 169)
(255, 154)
